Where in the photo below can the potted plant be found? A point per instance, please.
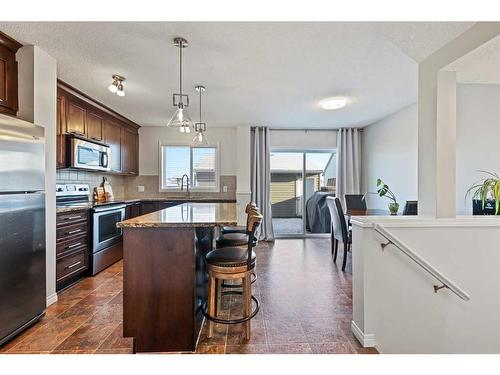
(488, 188)
(383, 190)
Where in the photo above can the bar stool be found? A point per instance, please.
(232, 263)
(239, 229)
(237, 238)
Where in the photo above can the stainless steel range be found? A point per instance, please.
(106, 241)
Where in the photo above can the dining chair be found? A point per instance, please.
(411, 208)
(340, 231)
(355, 202)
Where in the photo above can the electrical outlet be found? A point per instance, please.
(224, 189)
(140, 189)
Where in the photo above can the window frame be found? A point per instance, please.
(162, 144)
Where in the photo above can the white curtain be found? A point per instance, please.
(261, 180)
(348, 163)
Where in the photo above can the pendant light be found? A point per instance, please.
(116, 86)
(180, 119)
(200, 128)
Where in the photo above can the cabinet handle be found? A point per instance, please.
(72, 217)
(1, 100)
(76, 132)
(74, 245)
(74, 231)
(95, 138)
(73, 265)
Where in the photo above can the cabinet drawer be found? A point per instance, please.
(68, 232)
(68, 218)
(71, 245)
(71, 264)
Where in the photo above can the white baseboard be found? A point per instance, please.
(367, 340)
(51, 299)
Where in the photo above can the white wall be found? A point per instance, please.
(395, 307)
(390, 146)
(389, 149)
(37, 104)
(149, 136)
(478, 137)
(311, 139)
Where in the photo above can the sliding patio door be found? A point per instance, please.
(300, 182)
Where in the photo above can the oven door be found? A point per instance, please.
(105, 233)
(89, 155)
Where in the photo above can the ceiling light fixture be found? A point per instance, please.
(200, 127)
(116, 86)
(180, 119)
(333, 103)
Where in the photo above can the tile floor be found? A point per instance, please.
(306, 307)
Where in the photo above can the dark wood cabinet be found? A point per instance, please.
(75, 118)
(95, 124)
(72, 247)
(61, 126)
(113, 138)
(8, 75)
(79, 114)
(130, 150)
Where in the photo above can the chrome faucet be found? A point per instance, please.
(187, 183)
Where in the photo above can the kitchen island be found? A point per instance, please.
(164, 276)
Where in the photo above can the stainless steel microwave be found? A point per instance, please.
(85, 154)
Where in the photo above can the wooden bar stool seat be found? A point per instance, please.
(232, 263)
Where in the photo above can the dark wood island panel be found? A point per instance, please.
(165, 281)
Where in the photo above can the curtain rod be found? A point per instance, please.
(312, 129)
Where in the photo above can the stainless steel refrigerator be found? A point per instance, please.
(22, 226)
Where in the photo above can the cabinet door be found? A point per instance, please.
(94, 125)
(61, 125)
(75, 118)
(129, 151)
(113, 138)
(8, 82)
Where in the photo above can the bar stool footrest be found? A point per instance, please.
(204, 310)
(254, 279)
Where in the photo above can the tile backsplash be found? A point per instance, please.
(94, 179)
(127, 186)
(151, 187)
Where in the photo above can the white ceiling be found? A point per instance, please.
(480, 65)
(256, 73)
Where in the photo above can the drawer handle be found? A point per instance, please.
(72, 217)
(74, 231)
(74, 245)
(73, 265)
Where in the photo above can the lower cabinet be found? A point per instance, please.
(72, 247)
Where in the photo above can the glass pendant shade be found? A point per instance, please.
(113, 88)
(200, 139)
(181, 120)
(120, 91)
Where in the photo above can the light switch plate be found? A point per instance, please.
(140, 189)
(224, 189)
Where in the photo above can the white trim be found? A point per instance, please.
(426, 222)
(216, 145)
(367, 340)
(51, 299)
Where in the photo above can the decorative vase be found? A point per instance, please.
(394, 207)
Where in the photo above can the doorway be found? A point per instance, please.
(300, 182)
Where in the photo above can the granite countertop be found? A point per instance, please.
(186, 215)
(89, 205)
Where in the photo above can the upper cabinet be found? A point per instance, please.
(113, 138)
(8, 75)
(78, 114)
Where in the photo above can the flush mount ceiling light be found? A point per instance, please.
(116, 86)
(333, 103)
(200, 128)
(180, 119)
